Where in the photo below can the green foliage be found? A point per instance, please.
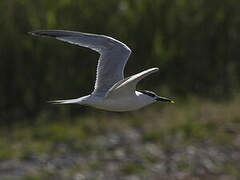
(194, 121)
(152, 136)
(182, 165)
(150, 159)
(38, 176)
(6, 151)
(132, 168)
(194, 43)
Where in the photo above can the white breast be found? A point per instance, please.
(127, 103)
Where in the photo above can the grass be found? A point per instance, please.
(150, 158)
(6, 151)
(195, 121)
(39, 176)
(190, 122)
(132, 168)
(182, 165)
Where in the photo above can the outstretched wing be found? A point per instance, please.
(128, 85)
(113, 55)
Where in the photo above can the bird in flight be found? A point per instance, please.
(112, 91)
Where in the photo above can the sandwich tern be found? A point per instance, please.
(112, 91)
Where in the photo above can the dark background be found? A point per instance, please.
(194, 43)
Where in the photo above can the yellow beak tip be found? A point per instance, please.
(172, 102)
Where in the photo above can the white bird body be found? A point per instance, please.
(112, 91)
(118, 103)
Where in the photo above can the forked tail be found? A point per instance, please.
(68, 101)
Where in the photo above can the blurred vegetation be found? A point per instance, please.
(195, 44)
(206, 121)
(175, 127)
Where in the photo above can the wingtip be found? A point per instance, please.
(55, 101)
(31, 33)
(35, 33)
(51, 102)
(155, 69)
(49, 33)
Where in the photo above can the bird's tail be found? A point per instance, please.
(67, 101)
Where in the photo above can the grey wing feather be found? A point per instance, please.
(128, 85)
(113, 55)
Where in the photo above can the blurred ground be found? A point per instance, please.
(194, 43)
(196, 139)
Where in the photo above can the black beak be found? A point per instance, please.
(164, 99)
